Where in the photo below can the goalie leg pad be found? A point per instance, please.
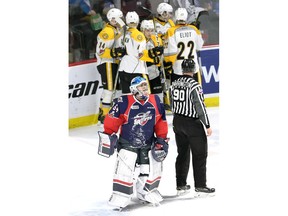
(123, 178)
(147, 185)
(141, 181)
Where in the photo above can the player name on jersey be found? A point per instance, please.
(185, 34)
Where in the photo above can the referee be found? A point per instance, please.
(191, 127)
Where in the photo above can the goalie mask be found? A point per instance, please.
(139, 88)
(188, 66)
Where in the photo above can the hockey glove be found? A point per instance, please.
(156, 61)
(107, 144)
(160, 149)
(196, 24)
(156, 51)
(168, 67)
(118, 52)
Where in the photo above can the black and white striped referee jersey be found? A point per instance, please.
(188, 99)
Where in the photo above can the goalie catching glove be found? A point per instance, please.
(118, 52)
(159, 149)
(107, 144)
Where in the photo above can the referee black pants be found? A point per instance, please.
(190, 136)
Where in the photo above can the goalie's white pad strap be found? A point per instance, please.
(123, 174)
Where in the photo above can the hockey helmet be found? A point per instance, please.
(132, 18)
(165, 10)
(188, 66)
(181, 14)
(135, 83)
(164, 7)
(114, 13)
(146, 24)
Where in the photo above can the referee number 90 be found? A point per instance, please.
(179, 95)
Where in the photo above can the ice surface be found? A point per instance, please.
(94, 173)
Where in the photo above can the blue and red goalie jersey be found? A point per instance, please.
(137, 120)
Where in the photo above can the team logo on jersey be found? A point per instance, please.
(142, 118)
(105, 36)
(113, 110)
(139, 37)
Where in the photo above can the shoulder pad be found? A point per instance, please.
(171, 30)
(171, 22)
(137, 35)
(195, 28)
(107, 33)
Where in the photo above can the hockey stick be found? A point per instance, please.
(200, 13)
(163, 80)
(123, 25)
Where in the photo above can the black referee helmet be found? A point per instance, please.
(188, 66)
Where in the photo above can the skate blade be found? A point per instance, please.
(204, 195)
(183, 192)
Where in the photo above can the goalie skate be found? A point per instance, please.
(119, 201)
(153, 197)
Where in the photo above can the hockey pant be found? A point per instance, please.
(108, 73)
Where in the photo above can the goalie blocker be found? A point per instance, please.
(107, 144)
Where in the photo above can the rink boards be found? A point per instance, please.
(85, 87)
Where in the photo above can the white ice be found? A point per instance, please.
(94, 173)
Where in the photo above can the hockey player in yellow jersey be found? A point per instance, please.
(147, 27)
(182, 41)
(163, 21)
(108, 49)
(133, 62)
